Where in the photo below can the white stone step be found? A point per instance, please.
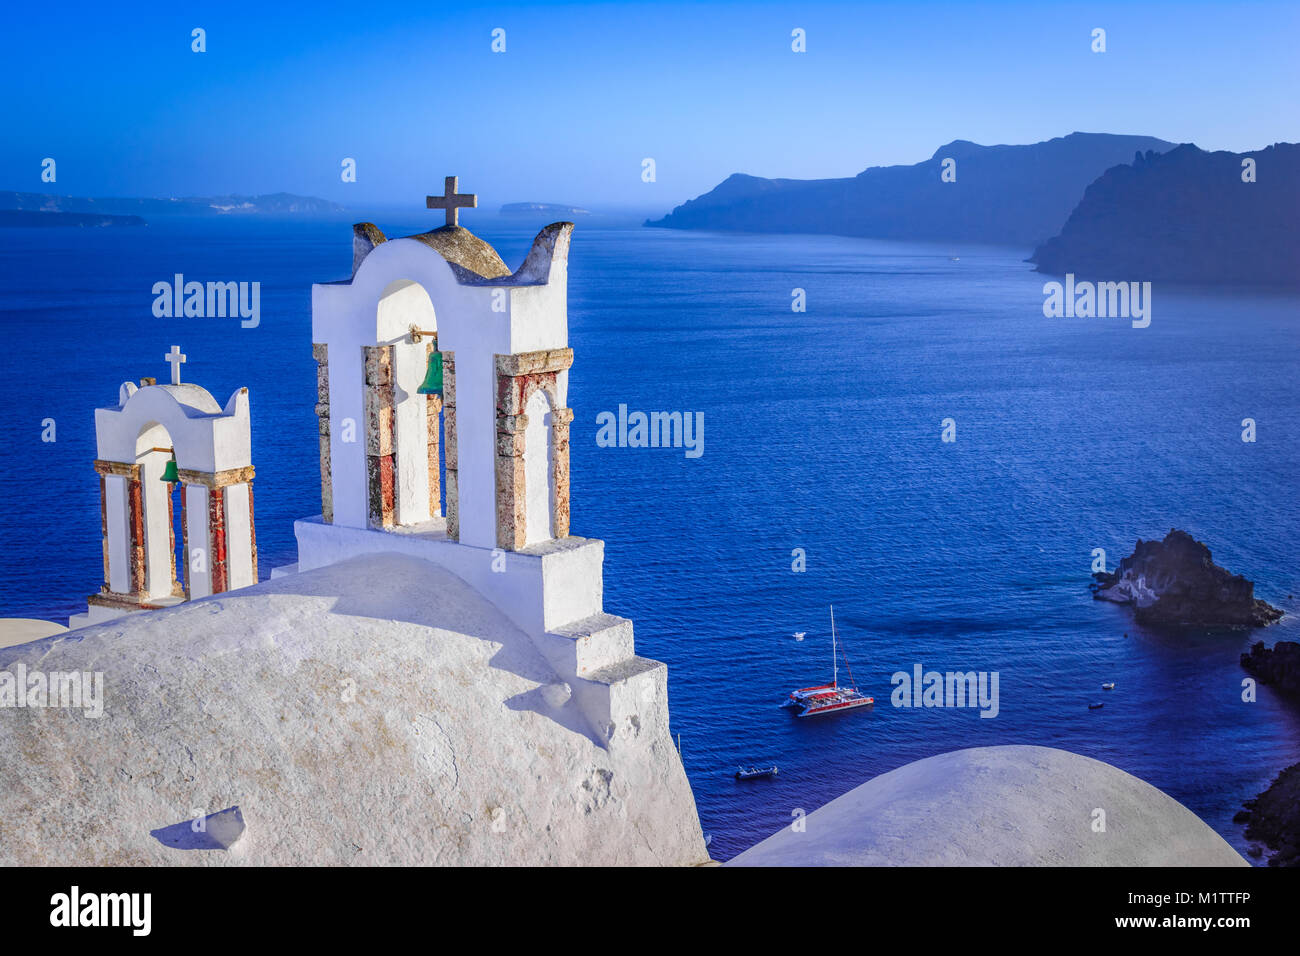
(627, 701)
(582, 647)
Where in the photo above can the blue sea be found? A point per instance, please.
(822, 433)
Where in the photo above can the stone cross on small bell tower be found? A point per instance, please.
(177, 358)
(452, 201)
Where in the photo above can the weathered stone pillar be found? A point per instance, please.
(560, 420)
(121, 523)
(512, 515)
(219, 513)
(171, 537)
(217, 540)
(252, 533)
(519, 376)
(449, 426)
(381, 493)
(187, 581)
(135, 501)
(434, 412)
(320, 352)
(103, 525)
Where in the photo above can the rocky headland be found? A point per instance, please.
(1273, 818)
(1278, 666)
(1175, 583)
(1186, 215)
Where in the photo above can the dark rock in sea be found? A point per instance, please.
(1278, 666)
(1185, 215)
(1275, 820)
(1241, 816)
(1175, 583)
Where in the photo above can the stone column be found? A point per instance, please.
(188, 583)
(449, 426)
(320, 352)
(435, 455)
(217, 540)
(117, 523)
(219, 512)
(381, 495)
(512, 516)
(560, 420)
(252, 533)
(121, 522)
(518, 377)
(171, 535)
(135, 502)
(194, 495)
(103, 525)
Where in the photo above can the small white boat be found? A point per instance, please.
(1109, 685)
(799, 635)
(756, 773)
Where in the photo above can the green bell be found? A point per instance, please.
(169, 473)
(432, 384)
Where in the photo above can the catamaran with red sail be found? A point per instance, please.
(829, 698)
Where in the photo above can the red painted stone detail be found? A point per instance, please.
(252, 531)
(217, 535)
(136, 515)
(185, 542)
(171, 532)
(103, 523)
(383, 496)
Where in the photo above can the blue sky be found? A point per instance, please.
(585, 92)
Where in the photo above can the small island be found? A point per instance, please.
(541, 209)
(1175, 583)
(25, 218)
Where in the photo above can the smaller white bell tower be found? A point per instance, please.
(156, 438)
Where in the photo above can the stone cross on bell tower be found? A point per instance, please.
(452, 201)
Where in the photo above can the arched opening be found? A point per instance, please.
(539, 470)
(153, 452)
(416, 472)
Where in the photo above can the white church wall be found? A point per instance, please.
(119, 538)
(196, 529)
(476, 450)
(539, 479)
(538, 318)
(157, 529)
(573, 582)
(239, 537)
(560, 584)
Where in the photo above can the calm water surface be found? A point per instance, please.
(822, 433)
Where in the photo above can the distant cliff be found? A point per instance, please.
(274, 204)
(1186, 216)
(1016, 195)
